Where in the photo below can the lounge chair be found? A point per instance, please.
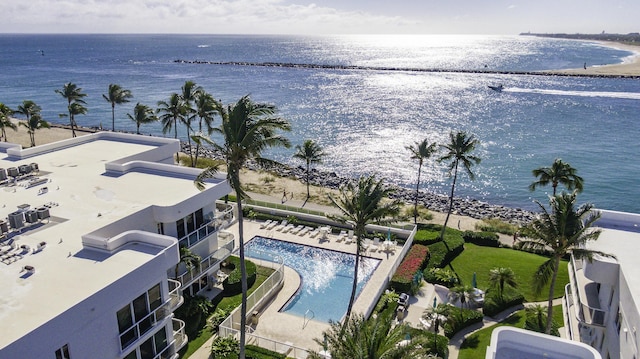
(314, 233)
(271, 225)
(264, 224)
(288, 228)
(305, 230)
(282, 224)
(296, 229)
(375, 246)
(342, 236)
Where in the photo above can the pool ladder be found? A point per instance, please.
(306, 320)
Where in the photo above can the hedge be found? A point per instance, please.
(487, 239)
(256, 352)
(460, 318)
(233, 283)
(493, 304)
(440, 256)
(414, 262)
(430, 233)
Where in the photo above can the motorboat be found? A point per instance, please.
(498, 88)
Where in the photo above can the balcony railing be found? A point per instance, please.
(175, 296)
(220, 221)
(216, 257)
(178, 342)
(131, 335)
(586, 314)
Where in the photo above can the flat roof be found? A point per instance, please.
(81, 196)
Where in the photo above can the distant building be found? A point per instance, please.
(601, 302)
(90, 230)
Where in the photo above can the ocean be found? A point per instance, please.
(365, 118)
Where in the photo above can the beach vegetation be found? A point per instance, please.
(34, 123)
(116, 95)
(311, 153)
(171, 113)
(559, 173)
(360, 204)
(29, 109)
(5, 121)
(206, 108)
(420, 151)
(142, 114)
(188, 95)
(496, 225)
(459, 153)
(75, 103)
(564, 229)
(248, 128)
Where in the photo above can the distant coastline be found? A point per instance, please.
(628, 39)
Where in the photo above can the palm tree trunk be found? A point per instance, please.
(446, 220)
(308, 194)
(355, 279)
(243, 280)
(556, 264)
(415, 205)
(113, 117)
(175, 135)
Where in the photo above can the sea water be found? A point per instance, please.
(365, 118)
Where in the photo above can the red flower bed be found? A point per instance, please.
(412, 263)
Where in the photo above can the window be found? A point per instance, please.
(161, 228)
(63, 353)
(134, 319)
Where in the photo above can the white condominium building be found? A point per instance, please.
(601, 302)
(90, 230)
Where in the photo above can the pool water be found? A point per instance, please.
(327, 276)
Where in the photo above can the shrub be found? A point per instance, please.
(460, 318)
(225, 348)
(413, 263)
(386, 300)
(232, 284)
(440, 256)
(487, 239)
(493, 304)
(442, 276)
(256, 352)
(430, 233)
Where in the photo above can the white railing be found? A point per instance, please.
(290, 350)
(175, 297)
(216, 257)
(144, 325)
(586, 314)
(231, 325)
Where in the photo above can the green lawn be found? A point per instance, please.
(475, 345)
(194, 343)
(482, 259)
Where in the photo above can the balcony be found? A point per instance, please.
(215, 258)
(151, 320)
(220, 221)
(588, 307)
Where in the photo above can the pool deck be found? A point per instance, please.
(292, 329)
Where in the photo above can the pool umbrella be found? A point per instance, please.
(435, 302)
(389, 234)
(473, 281)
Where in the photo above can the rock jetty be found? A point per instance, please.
(436, 202)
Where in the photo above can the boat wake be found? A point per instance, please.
(624, 95)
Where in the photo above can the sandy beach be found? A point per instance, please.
(630, 67)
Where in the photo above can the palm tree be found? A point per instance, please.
(498, 277)
(311, 153)
(248, 128)
(28, 108)
(116, 96)
(142, 114)
(458, 152)
(188, 95)
(206, 109)
(420, 151)
(375, 338)
(360, 205)
(35, 122)
(564, 230)
(73, 94)
(464, 293)
(435, 315)
(5, 121)
(76, 108)
(190, 260)
(559, 173)
(171, 112)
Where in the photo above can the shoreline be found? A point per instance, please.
(630, 66)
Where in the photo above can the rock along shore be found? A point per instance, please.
(436, 202)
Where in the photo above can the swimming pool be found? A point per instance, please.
(327, 276)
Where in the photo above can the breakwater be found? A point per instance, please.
(436, 202)
(403, 69)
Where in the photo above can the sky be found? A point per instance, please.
(320, 17)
